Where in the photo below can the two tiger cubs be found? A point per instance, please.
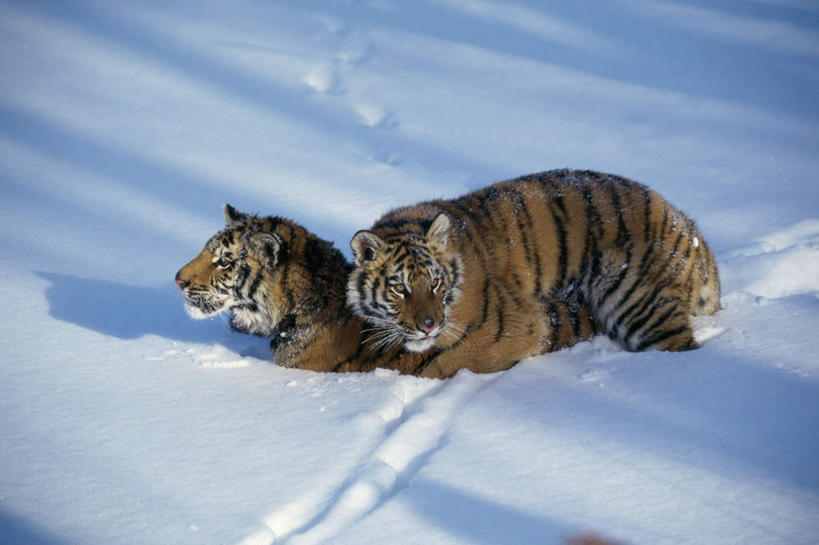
(519, 268)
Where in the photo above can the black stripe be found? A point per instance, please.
(374, 291)
(660, 234)
(476, 240)
(484, 226)
(456, 271)
(639, 323)
(490, 194)
(647, 214)
(642, 303)
(680, 234)
(554, 317)
(254, 285)
(427, 360)
(501, 317)
(645, 265)
(402, 254)
(572, 312)
(513, 294)
(629, 310)
(361, 282)
(674, 312)
(689, 280)
(563, 258)
(588, 240)
(594, 223)
(622, 230)
(485, 310)
(558, 200)
(661, 337)
(526, 226)
(244, 274)
(619, 280)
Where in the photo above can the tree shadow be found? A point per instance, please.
(168, 183)
(75, 147)
(704, 65)
(16, 531)
(249, 87)
(128, 312)
(723, 412)
(480, 520)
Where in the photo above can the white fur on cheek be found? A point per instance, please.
(196, 313)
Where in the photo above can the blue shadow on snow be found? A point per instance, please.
(480, 520)
(127, 312)
(741, 417)
(15, 531)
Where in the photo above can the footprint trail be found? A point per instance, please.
(415, 421)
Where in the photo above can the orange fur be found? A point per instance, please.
(280, 281)
(596, 240)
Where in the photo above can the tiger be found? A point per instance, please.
(437, 273)
(278, 280)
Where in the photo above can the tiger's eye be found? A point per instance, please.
(436, 286)
(400, 289)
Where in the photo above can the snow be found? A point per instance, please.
(124, 128)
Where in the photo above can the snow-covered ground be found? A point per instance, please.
(124, 127)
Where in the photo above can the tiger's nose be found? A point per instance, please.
(181, 283)
(428, 326)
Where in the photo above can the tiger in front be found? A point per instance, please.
(439, 273)
(278, 280)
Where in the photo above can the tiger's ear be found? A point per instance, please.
(268, 245)
(365, 245)
(231, 214)
(439, 229)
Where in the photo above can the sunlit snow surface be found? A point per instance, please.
(125, 126)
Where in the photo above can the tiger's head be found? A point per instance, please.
(406, 283)
(261, 270)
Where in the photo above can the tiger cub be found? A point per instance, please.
(473, 270)
(280, 281)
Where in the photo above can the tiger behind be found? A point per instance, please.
(440, 272)
(278, 280)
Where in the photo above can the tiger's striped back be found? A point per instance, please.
(599, 240)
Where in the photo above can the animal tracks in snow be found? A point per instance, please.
(335, 77)
(322, 78)
(374, 115)
(414, 421)
(766, 268)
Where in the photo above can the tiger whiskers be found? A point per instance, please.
(390, 341)
(454, 331)
(455, 326)
(383, 338)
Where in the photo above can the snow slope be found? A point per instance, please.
(124, 127)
